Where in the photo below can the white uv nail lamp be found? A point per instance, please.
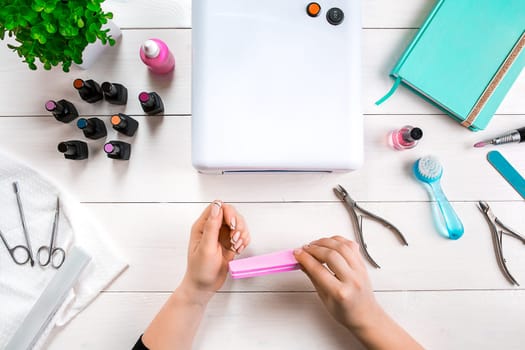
(276, 86)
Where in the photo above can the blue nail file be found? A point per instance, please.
(507, 171)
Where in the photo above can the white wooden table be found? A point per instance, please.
(448, 294)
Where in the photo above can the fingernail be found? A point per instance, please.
(233, 223)
(297, 251)
(216, 208)
(237, 244)
(233, 249)
(241, 248)
(306, 246)
(236, 236)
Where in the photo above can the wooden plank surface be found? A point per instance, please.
(160, 168)
(381, 49)
(439, 320)
(449, 295)
(154, 237)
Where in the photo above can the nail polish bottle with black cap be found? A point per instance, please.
(124, 124)
(76, 150)
(89, 90)
(114, 93)
(93, 128)
(405, 138)
(151, 103)
(63, 110)
(118, 150)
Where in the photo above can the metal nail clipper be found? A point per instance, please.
(356, 218)
(497, 235)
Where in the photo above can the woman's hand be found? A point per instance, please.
(337, 271)
(217, 235)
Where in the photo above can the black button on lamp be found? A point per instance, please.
(335, 16)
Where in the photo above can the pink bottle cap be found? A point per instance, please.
(51, 105)
(108, 148)
(143, 97)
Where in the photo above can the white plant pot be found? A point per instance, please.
(93, 51)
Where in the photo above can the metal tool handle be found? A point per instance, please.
(20, 258)
(359, 234)
(55, 257)
(385, 223)
(510, 232)
(497, 240)
(24, 225)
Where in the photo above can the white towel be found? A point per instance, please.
(20, 286)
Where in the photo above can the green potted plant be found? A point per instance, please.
(53, 31)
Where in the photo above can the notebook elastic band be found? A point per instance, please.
(391, 92)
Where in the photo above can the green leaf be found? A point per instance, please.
(38, 7)
(77, 60)
(51, 28)
(10, 24)
(28, 15)
(93, 6)
(53, 31)
(49, 7)
(91, 37)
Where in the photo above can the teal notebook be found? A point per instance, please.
(465, 57)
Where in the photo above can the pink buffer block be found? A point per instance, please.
(264, 264)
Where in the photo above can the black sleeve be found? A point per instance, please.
(140, 345)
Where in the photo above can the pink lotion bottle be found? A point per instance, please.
(405, 138)
(157, 56)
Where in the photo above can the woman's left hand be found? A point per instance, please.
(217, 235)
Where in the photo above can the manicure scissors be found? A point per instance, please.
(23, 255)
(497, 235)
(51, 255)
(24, 225)
(356, 218)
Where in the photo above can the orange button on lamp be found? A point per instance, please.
(313, 9)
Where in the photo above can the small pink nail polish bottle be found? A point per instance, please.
(157, 56)
(405, 138)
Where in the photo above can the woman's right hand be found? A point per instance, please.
(337, 271)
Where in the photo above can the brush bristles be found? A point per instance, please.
(429, 167)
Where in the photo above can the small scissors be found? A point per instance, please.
(352, 208)
(47, 254)
(497, 236)
(22, 257)
(24, 224)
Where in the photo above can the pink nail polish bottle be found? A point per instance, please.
(405, 138)
(157, 56)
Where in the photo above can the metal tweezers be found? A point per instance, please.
(497, 235)
(353, 208)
